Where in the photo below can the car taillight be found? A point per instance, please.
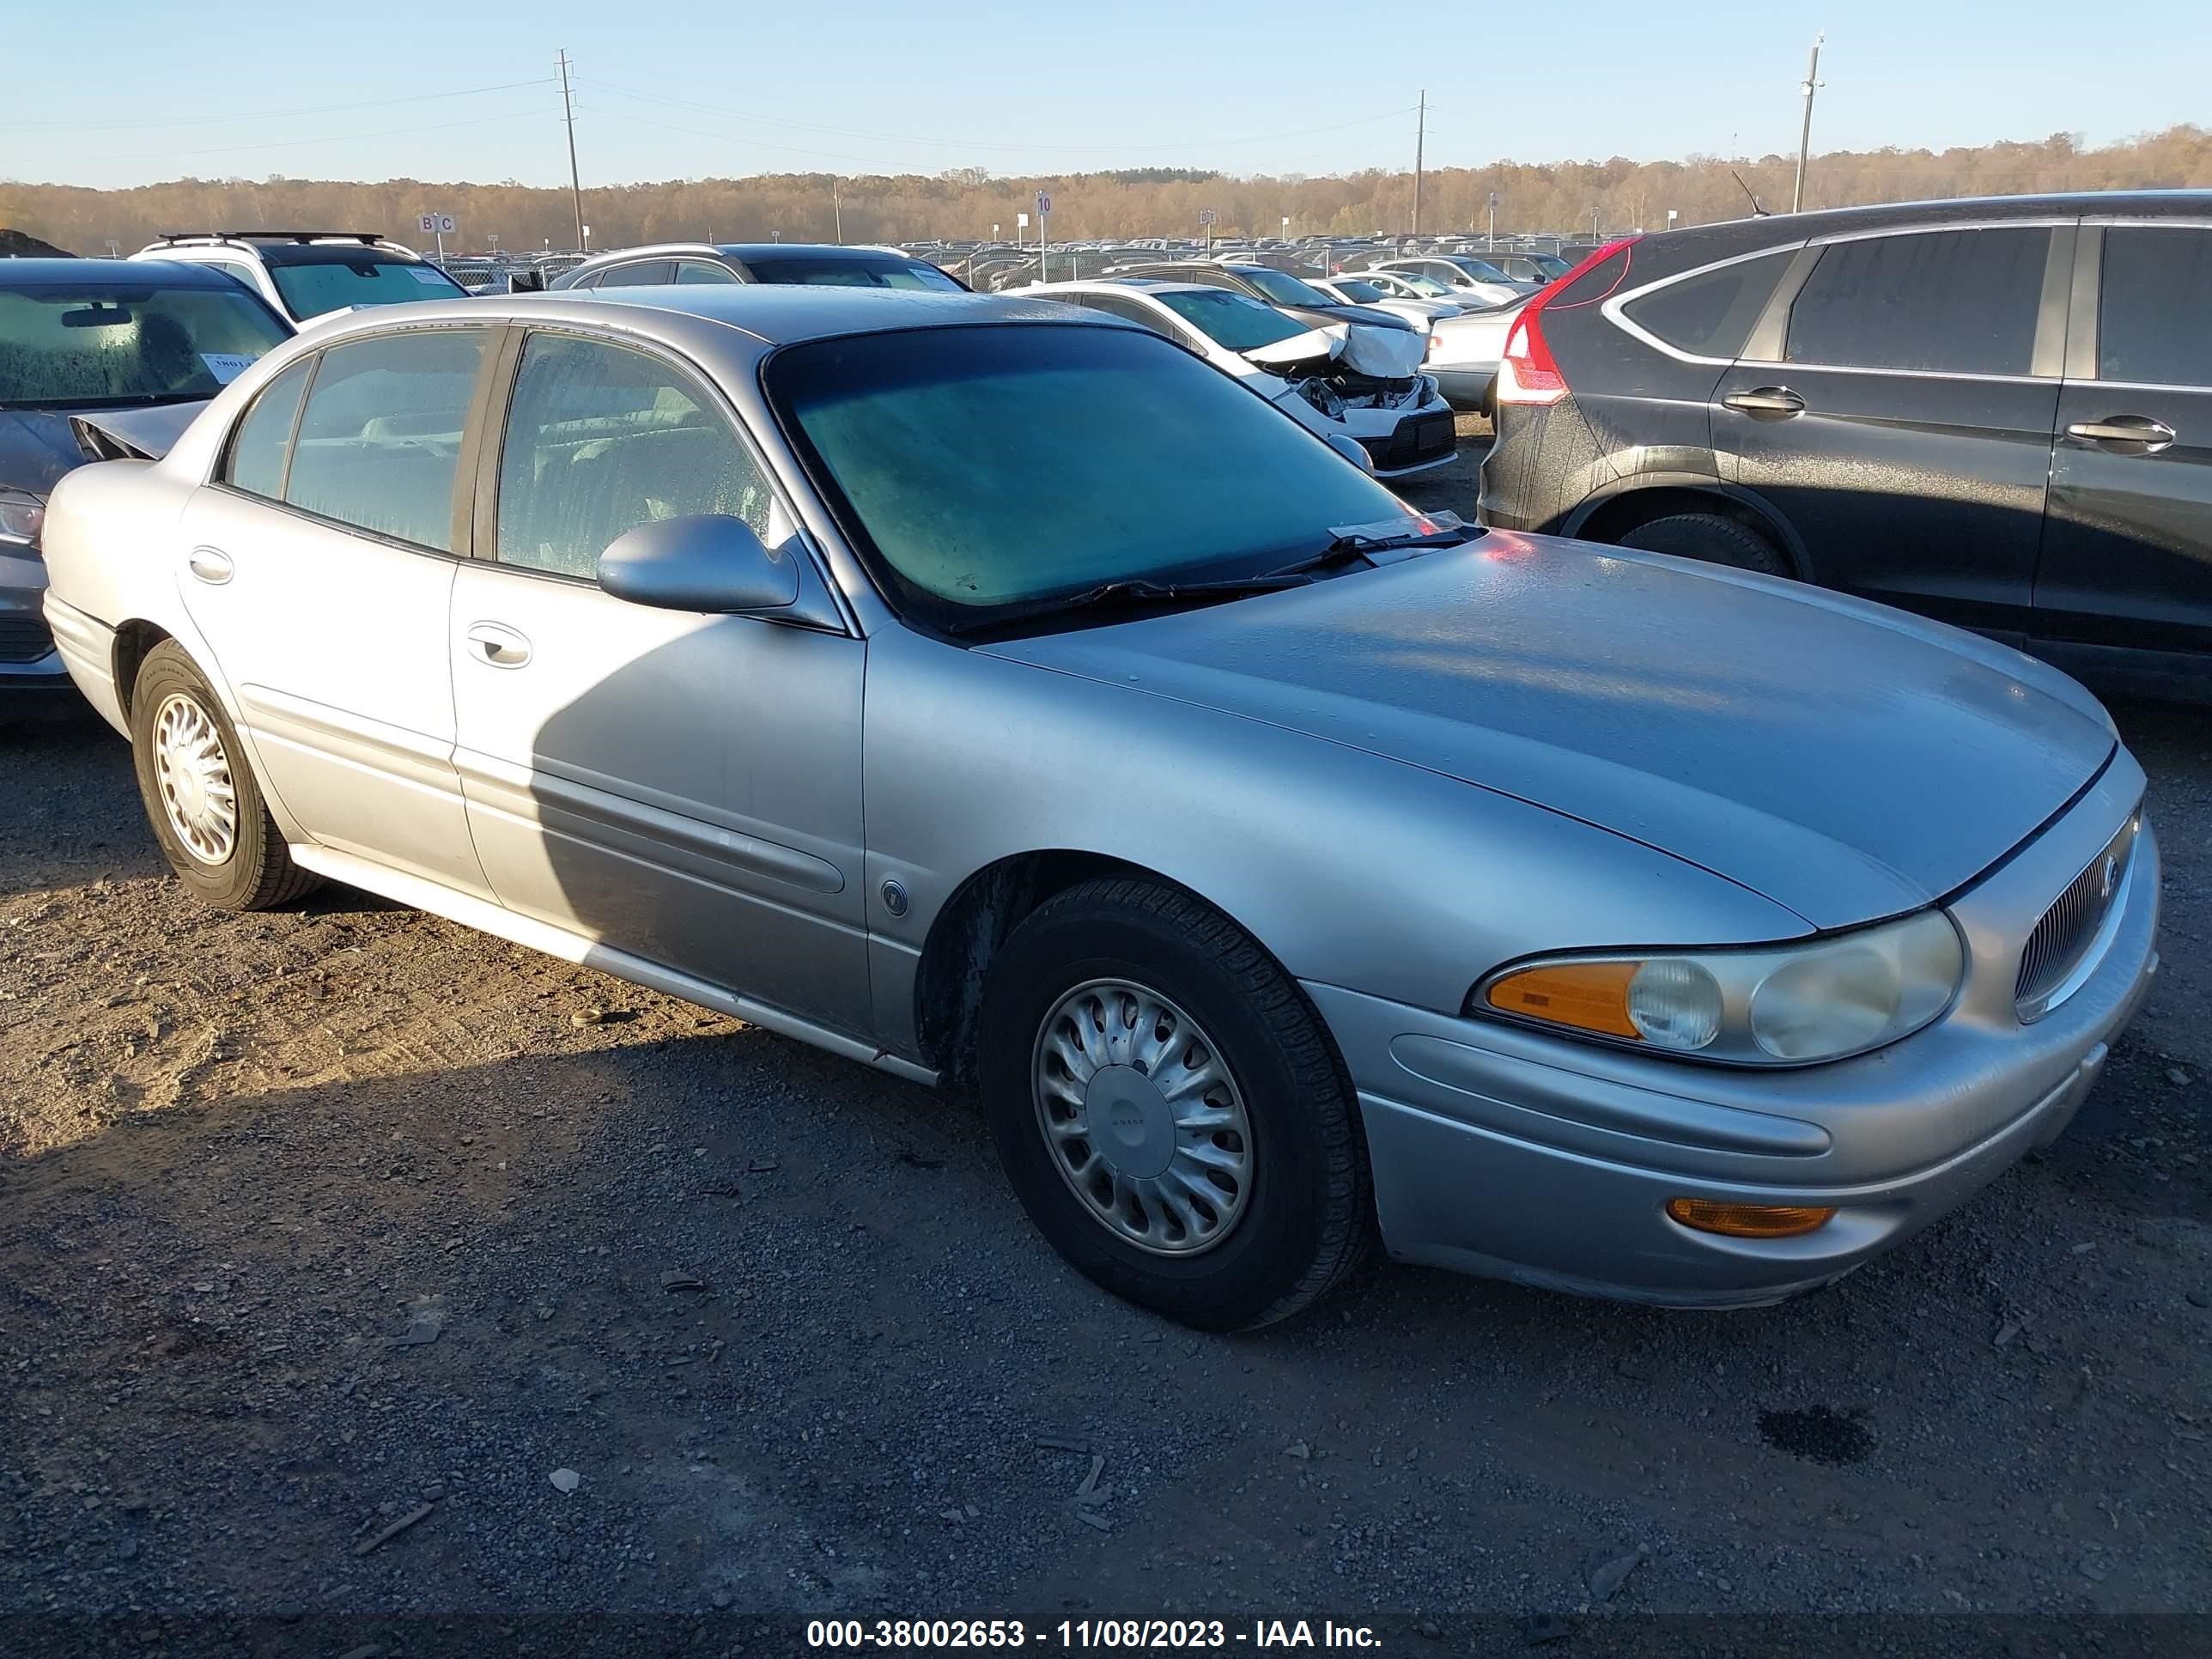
(1528, 375)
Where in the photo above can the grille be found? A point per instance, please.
(2070, 926)
(23, 640)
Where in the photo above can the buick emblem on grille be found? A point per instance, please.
(2111, 874)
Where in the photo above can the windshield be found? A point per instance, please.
(1361, 294)
(1283, 288)
(851, 273)
(985, 466)
(368, 278)
(1482, 272)
(89, 345)
(1235, 320)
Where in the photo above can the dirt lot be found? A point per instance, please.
(312, 1220)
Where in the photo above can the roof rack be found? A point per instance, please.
(368, 238)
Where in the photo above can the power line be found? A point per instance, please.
(267, 114)
(977, 144)
(333, 138)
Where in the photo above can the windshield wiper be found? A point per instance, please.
(1132, 592)
(1357, 541)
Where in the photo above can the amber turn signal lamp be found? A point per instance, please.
(1591, 996)
(1748, 1220)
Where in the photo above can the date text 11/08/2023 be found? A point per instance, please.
(1086, 1633)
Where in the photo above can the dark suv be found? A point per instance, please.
(1998, 413)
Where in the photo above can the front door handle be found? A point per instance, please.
(210, 565)
(1766, 403)
(501, 647)
(2137, 435)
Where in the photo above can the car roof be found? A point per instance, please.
(1153, 285)
(772, 313)
(1665, 251)
(123, 273)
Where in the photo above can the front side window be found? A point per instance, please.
(1711, 314)
(983, 467)
(1478, 270)
(256, 463)
(1235, 320)
(2155, 317)
(600, 440)
(98, 344)
(1955, 302)
(698, 272)
(380, 440)
(321, 280)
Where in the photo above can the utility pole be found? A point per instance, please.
(838, 209)
(1420, 133)
(1805, 134)
(569, 114)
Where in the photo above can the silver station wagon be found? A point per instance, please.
(997, 694)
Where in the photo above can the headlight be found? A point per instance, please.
(21, 517)
(1790, 1005)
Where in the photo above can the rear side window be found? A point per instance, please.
(381, 438)
(2154, 325)
(256, 464)
(1956, 301)
(601, 440)
(1711, 314)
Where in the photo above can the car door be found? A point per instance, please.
(320, 562)
(2127, 541)
(680, 787)
(1895, 406)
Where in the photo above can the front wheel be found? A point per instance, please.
(1169, 1109)
(201, 797)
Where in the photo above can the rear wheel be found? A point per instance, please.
(1710, 537)
(201, 795)
(1169, 1109)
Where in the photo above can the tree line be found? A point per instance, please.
(1573, 199)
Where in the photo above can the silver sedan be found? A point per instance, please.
(999, 695)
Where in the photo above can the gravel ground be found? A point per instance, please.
(312, 1219)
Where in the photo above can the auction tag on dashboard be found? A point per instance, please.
(225, 366)
(426, 276)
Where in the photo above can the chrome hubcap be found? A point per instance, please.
(193, 774)
(1142, 1118)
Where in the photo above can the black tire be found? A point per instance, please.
(1309, 1218)
(1710, 537)
(258, 873)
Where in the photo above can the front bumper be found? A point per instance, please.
(33, 678)
(1506, 1152)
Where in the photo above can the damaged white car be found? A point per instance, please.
(1340, 379)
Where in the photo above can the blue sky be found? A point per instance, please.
(688, 88)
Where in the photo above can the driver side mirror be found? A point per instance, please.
(710, 563)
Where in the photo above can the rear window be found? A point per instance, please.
(851, 273)
(1710, 315)
(1953, 301)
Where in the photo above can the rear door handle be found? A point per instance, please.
(210, 565)
(501, 647)
(1766, 403)
(2139, 434)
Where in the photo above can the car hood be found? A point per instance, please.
(38, 446)
(1846, 762)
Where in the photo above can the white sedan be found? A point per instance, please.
(1417, 310)
(1339, 381)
